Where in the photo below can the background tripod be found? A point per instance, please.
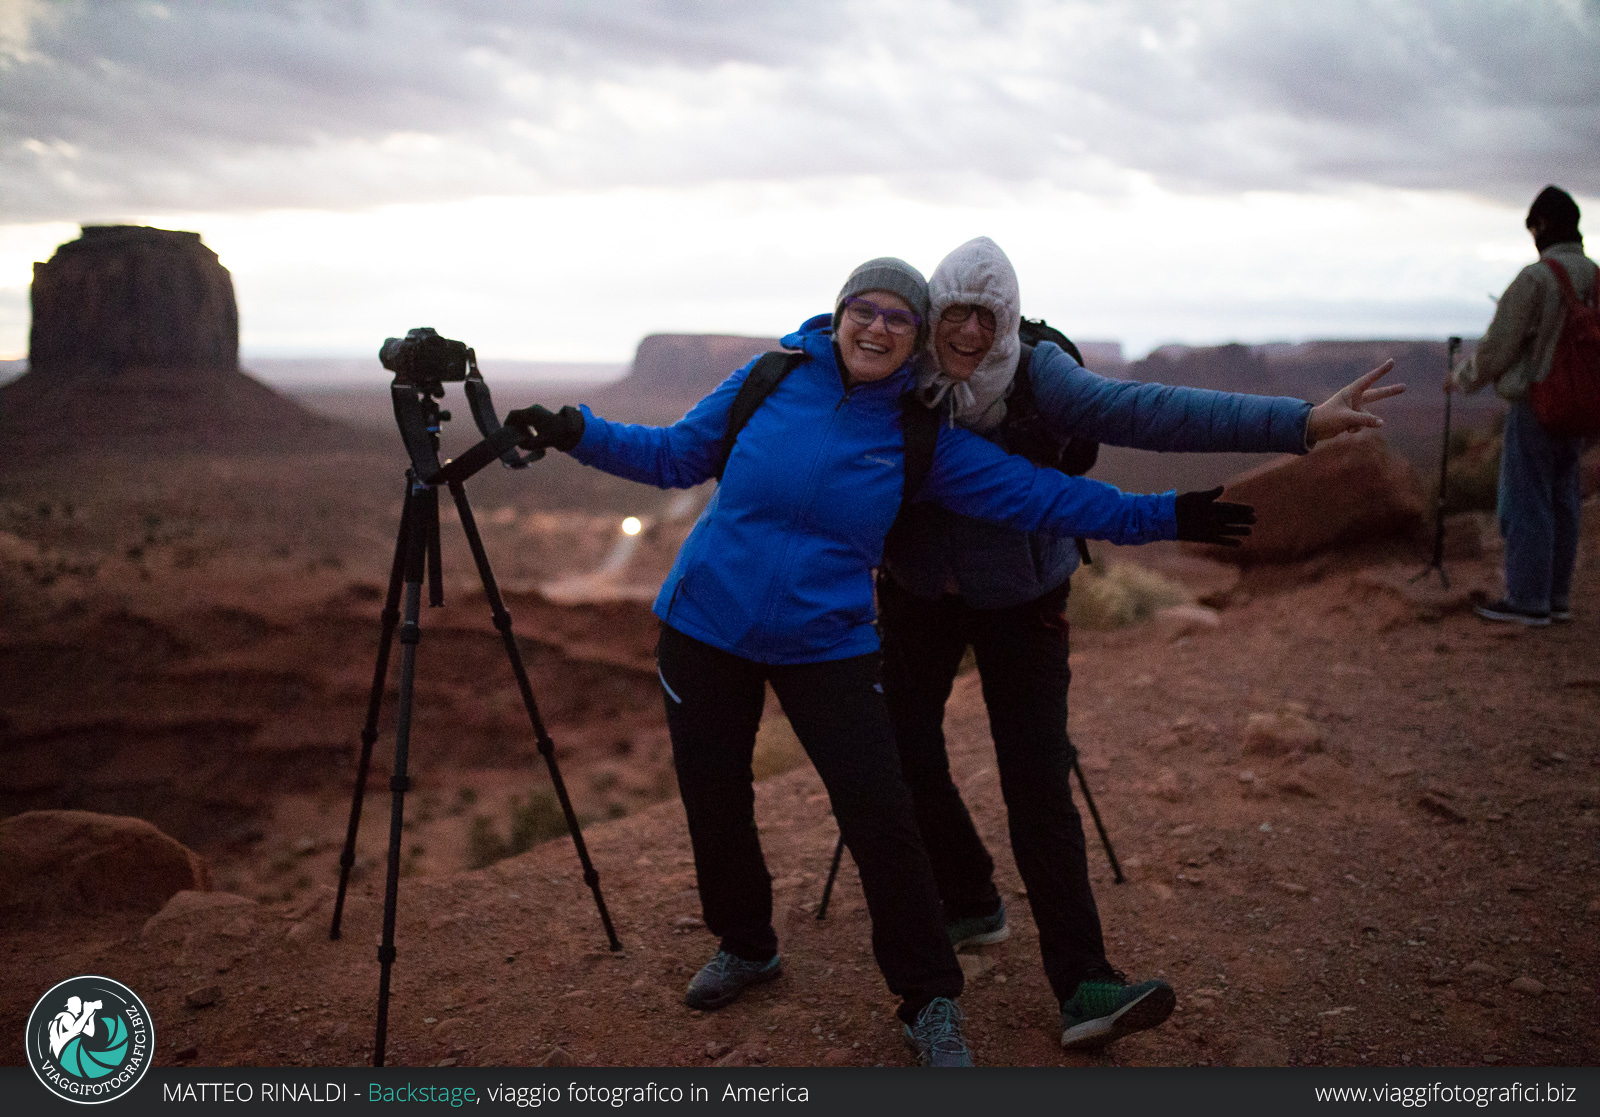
(1437, 563)
(417, 552)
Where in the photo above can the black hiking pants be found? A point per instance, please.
(714, 701)
(1022, 663)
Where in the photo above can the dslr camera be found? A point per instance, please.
(423, 358)
(422, 363)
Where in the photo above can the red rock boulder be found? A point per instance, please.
(1351, 490)
(78, 862)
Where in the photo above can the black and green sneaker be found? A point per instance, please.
(1106, 1008)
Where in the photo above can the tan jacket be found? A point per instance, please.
(1521, 340)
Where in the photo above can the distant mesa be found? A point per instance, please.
(125, 297)
(671, 372)
(134, 349)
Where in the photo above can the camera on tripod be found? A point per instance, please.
(422, 363)
(424, 359)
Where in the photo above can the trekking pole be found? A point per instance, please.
(1437, 563)
(833, 872)
(1105, 839)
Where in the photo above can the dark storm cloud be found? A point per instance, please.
(110, 108)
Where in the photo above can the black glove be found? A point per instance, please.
(562, 429)
(1202, 518)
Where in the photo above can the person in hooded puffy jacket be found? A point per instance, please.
(951, 581)
(774, 585)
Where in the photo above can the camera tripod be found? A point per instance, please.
(1437, 562)
(416, 554)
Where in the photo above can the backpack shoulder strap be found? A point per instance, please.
(1020, 399)
(920, 424)
(1569, 293)
(767, 374)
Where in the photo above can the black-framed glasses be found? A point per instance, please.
(863, 312)
(958, 313)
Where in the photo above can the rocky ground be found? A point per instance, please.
(1359, 826)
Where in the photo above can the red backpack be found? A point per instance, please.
(1567, 401)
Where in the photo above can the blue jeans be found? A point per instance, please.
(1538, 508)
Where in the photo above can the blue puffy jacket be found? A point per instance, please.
(994, 566)
(779, 567)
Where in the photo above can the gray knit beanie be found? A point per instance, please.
(887, 273)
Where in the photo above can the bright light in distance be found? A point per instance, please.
(632, 526)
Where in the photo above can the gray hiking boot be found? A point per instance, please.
(979, 930)
(721, 980)
(1107, 1008)
(936, 1036)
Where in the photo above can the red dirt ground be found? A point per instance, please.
(1369, 897)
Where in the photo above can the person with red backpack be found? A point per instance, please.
(1542, 354)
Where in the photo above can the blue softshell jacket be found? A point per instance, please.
(778, 569)
(996, 566)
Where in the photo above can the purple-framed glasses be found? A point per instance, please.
(863, 312)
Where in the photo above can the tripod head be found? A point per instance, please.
(423, 362)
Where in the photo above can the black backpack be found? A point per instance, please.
(1024, 430)
(920, 423)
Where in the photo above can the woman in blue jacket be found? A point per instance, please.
(774, 585)
(952, 581)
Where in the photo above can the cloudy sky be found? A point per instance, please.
(553, 180)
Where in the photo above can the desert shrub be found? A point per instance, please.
(537, 820)
(1472, 468)
(1116, 595)
(777, 748)
(485, 846)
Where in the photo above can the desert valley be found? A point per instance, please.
(1358, 825)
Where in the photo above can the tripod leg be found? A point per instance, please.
(1437, 562)
(1444, 480)
(424, 513)
(547, 749)
(1105, 839)
(833, 872)
(369, 732)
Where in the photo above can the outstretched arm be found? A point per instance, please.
(1149, 416)
(974, 477)
(1345, 410)
(679, 456)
